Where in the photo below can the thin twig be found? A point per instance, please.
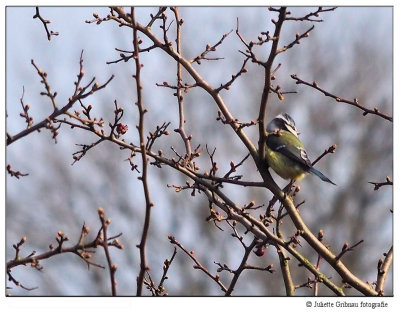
(111, 267)
(346, 249)
(16, 174)
(308, 17)
(83, 250)
(181, 130)
(296, 41)
(80, 94)
(241, 267)
(197, 262)
(25, 109)
(377, 185)
(209, 49)
(331, 149)
(354, 102)
(155, 17)
(228, 84)
(167, 265)
(45, 23)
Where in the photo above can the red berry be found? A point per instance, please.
(260, 251)
(122, 129)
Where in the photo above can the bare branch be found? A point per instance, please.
(296, 41)
(346, 248)
(16, 174)
(234, 76)
(45, 23)
(241, 267)
(83, 250)
(25, 109)
(383, 270)
(354, 102)
(181, 130)
(143, 178)
(80, 93)
(309, 17)
(112, 267)
(377, 185)
(156, 17)
(209, 48)
(167, 264)
(267, 81)
(331, 149)
(197, 262)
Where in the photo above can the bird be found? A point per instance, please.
(285, 153)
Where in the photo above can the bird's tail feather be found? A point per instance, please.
(320, 175)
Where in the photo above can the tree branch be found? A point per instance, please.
(81, 249)
(45, 23)
(143, 178)
(267, 81)
(197, 262)
(383, 270)
(354, 102)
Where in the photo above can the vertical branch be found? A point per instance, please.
(143, 178)
(318, 265)
(267, 80)
(283, 259)
(112, 267)
(287, 276)
(181, 129)
(316, 285)
(383, 270)
(241, 267)
(45, 23)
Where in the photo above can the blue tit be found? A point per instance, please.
(285, 153)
